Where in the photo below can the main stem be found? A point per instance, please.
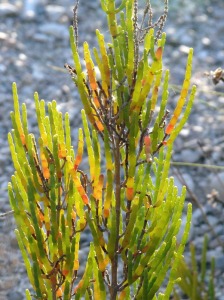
(117, 177)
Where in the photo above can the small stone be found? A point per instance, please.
(184, 49)
(38, 73)
(3, 35)
(187, 180)
(198, 242)
(31, 8)
(40, 37)
(206, 41)
(190, 156)
(55, 12)
(185, 132)
(218, 229)
(197, 216)
(65, 89)
(216, 183)
(2, 68)
(7, 9)
(92, 4)
(58, 31)
(7, 283)
(14, 295)
(212, 220)
(13, 241)
(220, 261)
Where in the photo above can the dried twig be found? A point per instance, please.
(75, 22)
(8, 213)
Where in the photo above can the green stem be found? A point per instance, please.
(186, 164)
(114, 264)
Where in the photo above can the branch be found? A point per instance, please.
(8, 213)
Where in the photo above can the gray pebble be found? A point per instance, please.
(219, 229)
(38, 72)
(197, 216)
(217, 182)
(212, 220)
(55, 12)
(187, 180)
(219, 258)
(2, 68)
(14, 295)
(190, 155)
(58, 31)
(13, 241)
(7, 9)
(31, 8)
(40, 37)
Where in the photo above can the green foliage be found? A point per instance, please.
(130, 203)
(195, 283)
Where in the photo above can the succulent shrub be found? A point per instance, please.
(125, 196)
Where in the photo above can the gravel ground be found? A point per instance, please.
(34, 46)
